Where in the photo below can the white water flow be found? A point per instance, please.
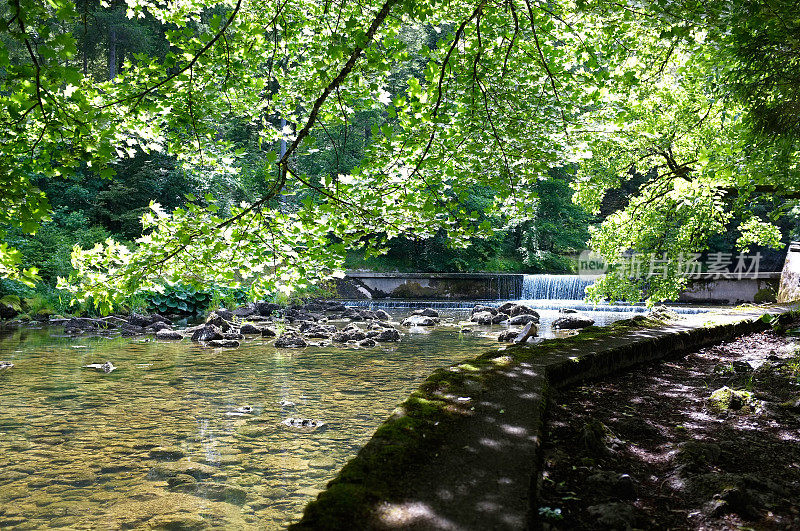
(549, 287)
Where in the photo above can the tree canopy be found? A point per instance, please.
(694, 104)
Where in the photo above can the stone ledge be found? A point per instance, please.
(462, 452)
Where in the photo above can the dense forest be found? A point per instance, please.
(240, 149)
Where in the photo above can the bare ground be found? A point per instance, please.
(649, 449)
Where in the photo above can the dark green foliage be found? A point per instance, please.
(189, 300)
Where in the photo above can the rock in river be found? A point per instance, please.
(572, 322)
(290, 340)
(5, 365)
(106, 367)
(169, 335)
(307, 425)
(420, 320)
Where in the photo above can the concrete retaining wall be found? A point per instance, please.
(462, 452)
(459, 286)
(705, 289)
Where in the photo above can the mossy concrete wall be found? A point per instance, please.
(462, 452)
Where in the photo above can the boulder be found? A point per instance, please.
(387, 335)
(420, 320)
(131, 330)
(290, 340)
(478, 308)
(218, 319)
(513, 309)
(7, 312)
(351, 333)
(158, 326)
(268, 332)
(427, 312)
(265, 309)
(382, 315)
(77, 325)
(208, 332)
(488, 318)
(367, 343)
(530, 330)
(143, 321)
(523, 319)
(725, 398)
(320, 331)
(249, 329)
(507, 335)
(567, 310)
(572, 322)
(244, 311)
(5, 365)
(168, 334)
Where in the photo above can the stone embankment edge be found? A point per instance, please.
(419, 425)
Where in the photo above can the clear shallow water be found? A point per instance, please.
(79, 448)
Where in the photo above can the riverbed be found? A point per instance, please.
(184, 435)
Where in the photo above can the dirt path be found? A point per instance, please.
(651, 448)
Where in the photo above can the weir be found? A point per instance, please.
(560, 287)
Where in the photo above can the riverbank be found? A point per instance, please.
(463, 451)
(654, 448)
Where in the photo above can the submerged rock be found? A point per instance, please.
(190, 468)
(572, 322)
(301, 424)
(224, 343)
(5, 365)
(168, 453)
(106, 367)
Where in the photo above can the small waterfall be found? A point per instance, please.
(562, 287)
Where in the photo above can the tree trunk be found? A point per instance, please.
(112, 53)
